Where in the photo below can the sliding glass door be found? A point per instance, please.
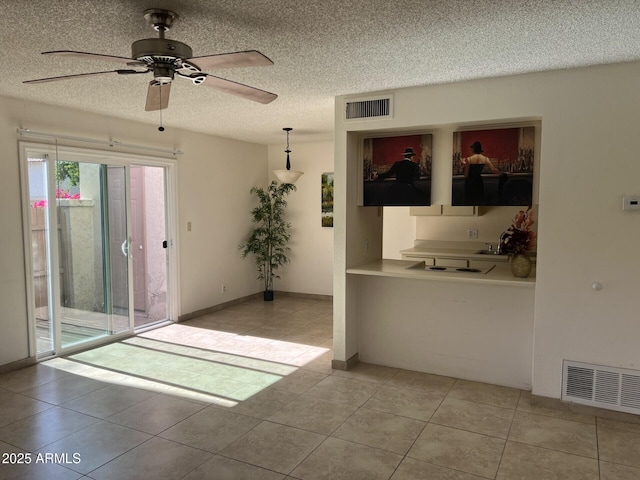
(90, 224)
(149, 246)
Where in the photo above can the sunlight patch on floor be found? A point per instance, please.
(191, 362)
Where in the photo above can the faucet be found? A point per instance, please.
(502, 235)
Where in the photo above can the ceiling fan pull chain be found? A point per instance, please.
(160, 128)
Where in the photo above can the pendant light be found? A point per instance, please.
(288, 175)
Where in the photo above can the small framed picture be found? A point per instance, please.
(327, 199)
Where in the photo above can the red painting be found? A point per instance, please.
(493, 166)
(397, 170)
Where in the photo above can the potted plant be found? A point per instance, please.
(268, 240)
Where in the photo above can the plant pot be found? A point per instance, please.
(520, 264)
(268, 295)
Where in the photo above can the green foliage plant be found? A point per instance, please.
(268, 240)
(70, 170)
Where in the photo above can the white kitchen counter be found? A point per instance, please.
(500, 274)
(434, 248)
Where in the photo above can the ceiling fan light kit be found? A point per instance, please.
(288, 175)
(165, 58)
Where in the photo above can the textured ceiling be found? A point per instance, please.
(320, 49)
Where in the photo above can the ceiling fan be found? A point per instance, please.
(165, 58)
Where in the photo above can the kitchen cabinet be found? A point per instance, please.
(444, 211)
(472, 261)
(452, 262)
(438, 260)
(487, 263)
(428, 260)
(462, 211)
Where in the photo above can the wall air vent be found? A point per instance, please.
(604, 387)
(368, 108)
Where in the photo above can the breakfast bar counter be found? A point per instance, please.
(470, 325)
(498, 274)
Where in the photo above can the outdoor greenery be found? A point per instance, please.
(268, 240)
(70, 170)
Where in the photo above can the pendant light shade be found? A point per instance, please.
(288, 175)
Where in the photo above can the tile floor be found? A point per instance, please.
(248, 393)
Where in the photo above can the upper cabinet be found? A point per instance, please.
(444, 210)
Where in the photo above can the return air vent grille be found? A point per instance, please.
(598, 386)
(368, 108)
(631, 391)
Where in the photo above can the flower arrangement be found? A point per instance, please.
(519, 238)
(59, 194)
(65, 194)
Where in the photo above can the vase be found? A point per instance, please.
(268, 295)
(520, 264)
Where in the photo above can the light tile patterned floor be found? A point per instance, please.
(248, 393)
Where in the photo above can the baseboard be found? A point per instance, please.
(345, 365)
(25, 362)
(558, 404)
(215, 308)
(312, 296)
(221, 306)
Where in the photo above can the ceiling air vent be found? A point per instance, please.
(598, 386)
(368, 108)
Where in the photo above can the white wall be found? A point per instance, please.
(13, 316)
(311, 267)
(587, 163)
(214, 179)
(399, 231)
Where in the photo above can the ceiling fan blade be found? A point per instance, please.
(94, 56)
(80, 75)
(157, 96)
(249, 58)
(234, 88)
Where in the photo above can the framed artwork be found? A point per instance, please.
(397, 170)
(493, 166)
(327, 199)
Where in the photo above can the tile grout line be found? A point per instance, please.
(368, 375)
(598, 449)
(506, 440)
